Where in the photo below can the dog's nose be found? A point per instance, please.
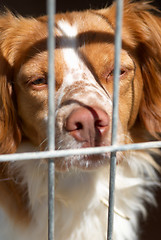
(88, 125)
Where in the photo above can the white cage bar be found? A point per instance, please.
(70, 152)
(51, 5)
(52, 153)
(118, 44)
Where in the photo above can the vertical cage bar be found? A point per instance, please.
(51, 116)
(118, 44)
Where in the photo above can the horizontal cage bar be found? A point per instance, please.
(70, 152)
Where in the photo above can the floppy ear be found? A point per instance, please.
(142, 39)
(146, 30)
(9, 130)
(141, 35)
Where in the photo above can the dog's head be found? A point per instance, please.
(84, 67)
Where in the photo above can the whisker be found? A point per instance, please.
(44, 141)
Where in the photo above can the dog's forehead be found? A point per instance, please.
(85, 21)
(76, 71)
(77, 31)
(82, 27)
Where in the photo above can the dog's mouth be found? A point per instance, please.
(92, 162)
(84, 162)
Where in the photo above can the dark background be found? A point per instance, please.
(35, 8)
(151, 228)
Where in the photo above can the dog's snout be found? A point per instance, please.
(88, 125)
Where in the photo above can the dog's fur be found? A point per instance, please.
(84, 63)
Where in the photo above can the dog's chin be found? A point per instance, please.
(85, 162)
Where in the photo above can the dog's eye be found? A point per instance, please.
(122, 72)
(39, 81)
(111, 74)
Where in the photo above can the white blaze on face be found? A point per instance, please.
(79, 84)
(76, 68)
(69, 33)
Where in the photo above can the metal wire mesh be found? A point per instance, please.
(52, 153)
(51, 5)
(115, 117)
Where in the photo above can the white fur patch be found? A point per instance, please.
(67, 29)
(77, 71)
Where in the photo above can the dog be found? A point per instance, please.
(84, 66)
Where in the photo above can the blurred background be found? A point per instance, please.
(150, 229)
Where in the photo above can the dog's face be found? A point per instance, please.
(84, 71)
(84, 66)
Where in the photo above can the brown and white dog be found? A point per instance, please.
(84, 64)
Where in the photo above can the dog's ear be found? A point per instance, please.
(142, 39)
(9, 131)
(146, 29)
